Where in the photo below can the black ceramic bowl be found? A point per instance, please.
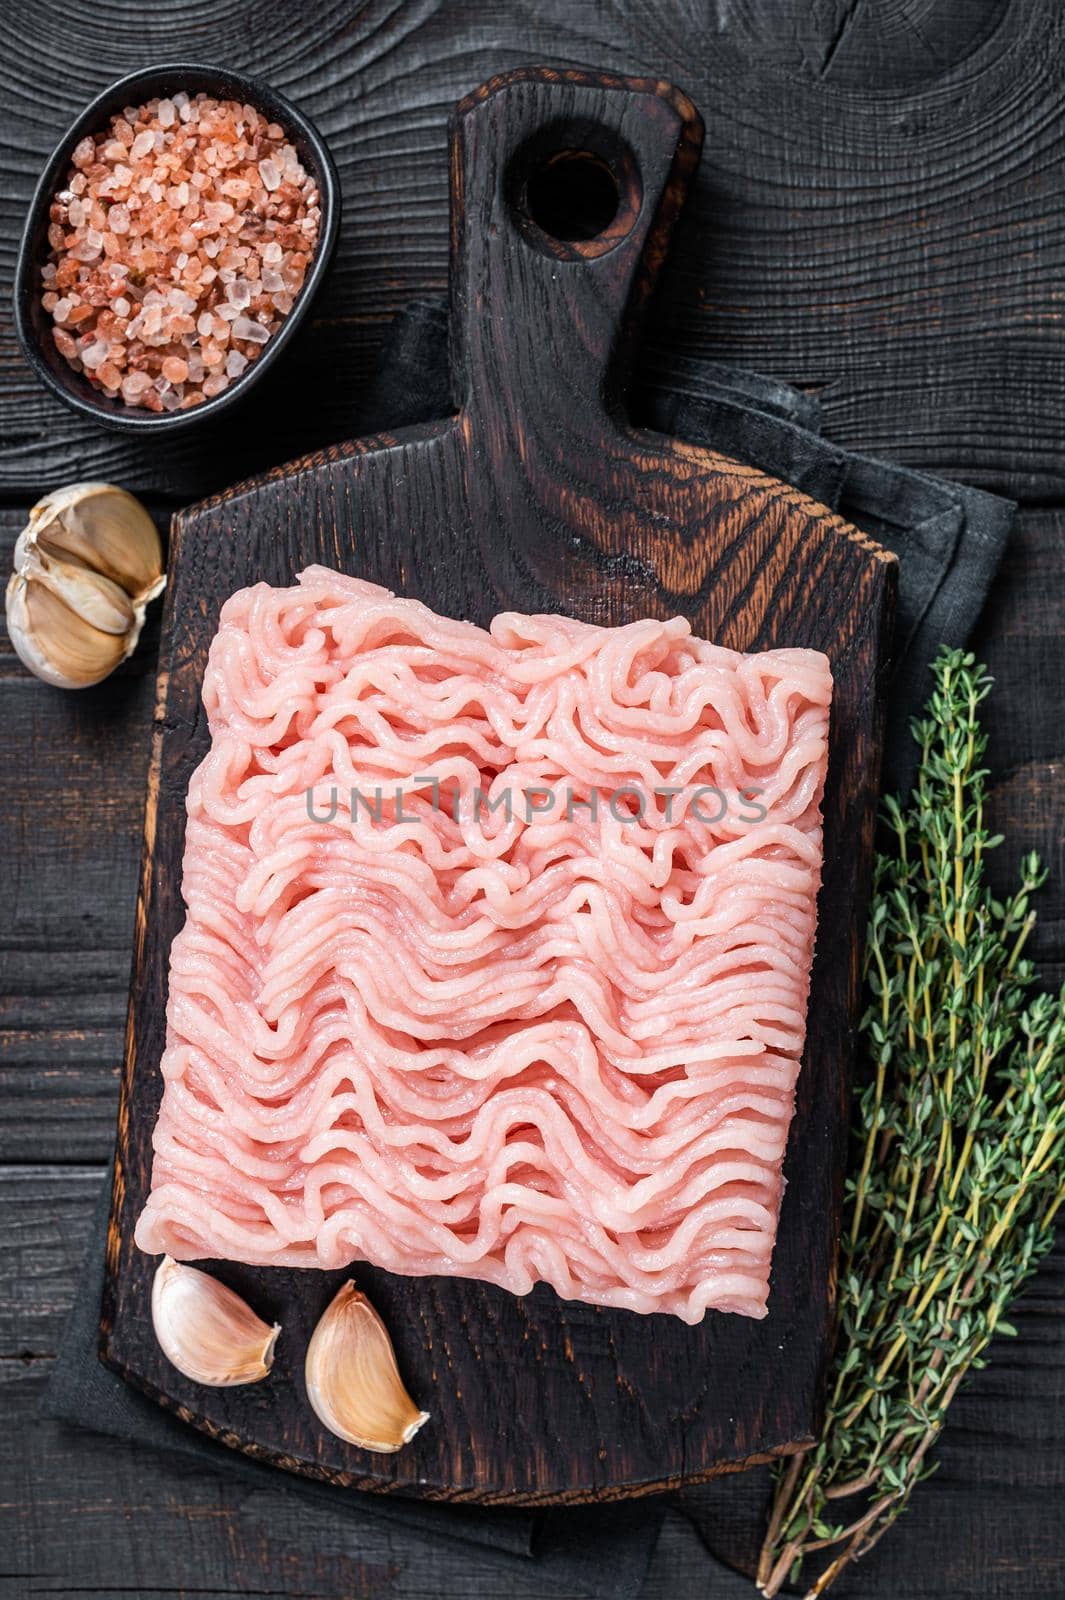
(33, 322)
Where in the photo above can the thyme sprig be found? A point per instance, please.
(959, 1150)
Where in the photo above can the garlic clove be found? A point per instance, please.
(353, 1382)
(107, 529)
(95, 599)
(93, 549)
(206, 1330)
(54, 642)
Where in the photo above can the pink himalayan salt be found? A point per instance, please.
(178, 244)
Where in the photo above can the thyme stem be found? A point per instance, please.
(959, 1167)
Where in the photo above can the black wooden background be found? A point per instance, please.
(880, 218)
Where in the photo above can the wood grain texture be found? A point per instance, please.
(83, 1517)
(72, 800)
(539, 496)
(80, 1517)
(877, 217)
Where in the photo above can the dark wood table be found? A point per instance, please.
(879, 219)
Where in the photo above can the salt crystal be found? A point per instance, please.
(170, 188)
(253, 332)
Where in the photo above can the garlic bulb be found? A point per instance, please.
(206, 1330)
(353, 1382)
(86, 567)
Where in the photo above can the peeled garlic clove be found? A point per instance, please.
(352, 1379)
(106, 528)
(94, 550)
(209, 1333)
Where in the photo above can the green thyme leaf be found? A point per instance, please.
(958, 1166)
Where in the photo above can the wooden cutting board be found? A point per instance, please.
(537, 496)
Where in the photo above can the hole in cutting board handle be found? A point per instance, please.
(572, 196)
(574, 190)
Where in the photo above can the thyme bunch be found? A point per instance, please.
(958, 1163)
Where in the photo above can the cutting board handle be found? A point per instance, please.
(565, 186)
